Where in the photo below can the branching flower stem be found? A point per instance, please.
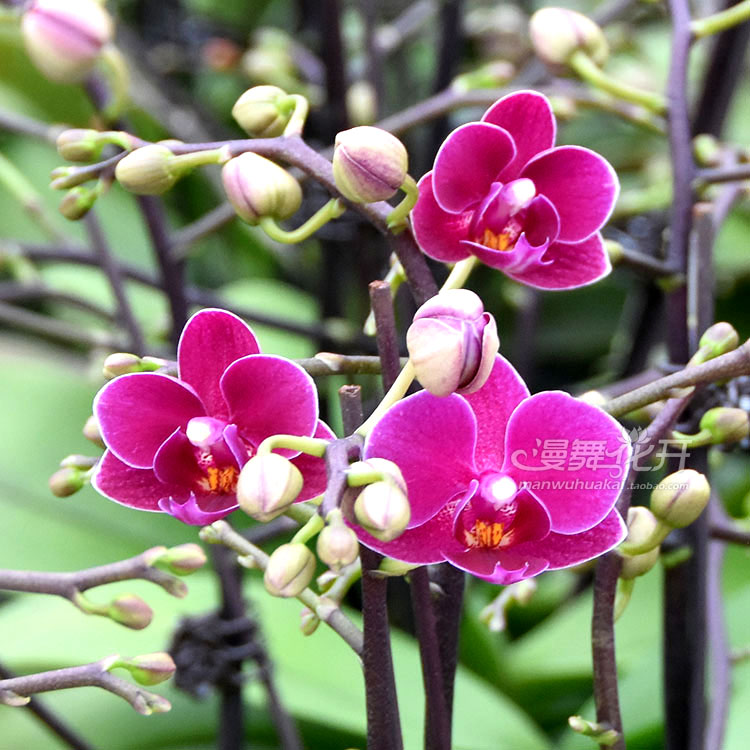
(220, 532)
(71, 585)
(15, 691)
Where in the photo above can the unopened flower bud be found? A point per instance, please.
(183, 559)
(337, 544)
(131, 611)
(79, 144)
(79, 461)
(267, 486)
(290, 569)
(382, 508)
(148, 669)
(557, 33)
(92, 432)
(149, 170)
(680, 498)
(707, 150)
(638, 565)
(77, 202)
(645, 531)
(66, 481)
(725, 424)
(369, 164)
(361, 103)
(258, 187)
(263, 111)
(120, 363)
(452, 343)
(64, 37)
(308, 621)
(719, 339)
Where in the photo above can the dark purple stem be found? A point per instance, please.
(603, 646)
(113, 272)
(448, 609)
(437, 721)
(386, 336)
(231, 719)
(383, 722)
(172, 271)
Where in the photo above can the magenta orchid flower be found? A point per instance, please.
(502, 484)
(501, 191)
(177, 445)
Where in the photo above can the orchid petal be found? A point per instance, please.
(438, 232)
(270, 396)
(190, 512)
(567, 266)
(582, 186)
(421, 545)
(211, 340)
(492, 406)
(564, 550)
(467, 164)
(580, 489)
(175, 461)
(528, 117)
(136, 488)
(138, 412)
(432, 441)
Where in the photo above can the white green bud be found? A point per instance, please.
(638, 565)
(290, 569)
(263, 111)
(645, 531)
(77, 202)
(92, 432)
(257, 187)
(337, 544)
(183, 559)
(148, 669)
(149, 170)
(369, 164)
(65, 37)
(131, 611)
(452, 343)
(268, 484)
(719, 339)
(680, 498)
(725, 424)
(556, 33)
(66, 481)
(382, 508)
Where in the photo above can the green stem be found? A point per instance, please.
(733, 16)
(590, 72)
(332, 210)
(704, 437)
(622, 597)
(16, 183)
(309, 445)
(303, 512)
(396, 219)
(186, 162)
(118, 77)
(395, 393)
(361, 474)
(299, 115)
(313, 527)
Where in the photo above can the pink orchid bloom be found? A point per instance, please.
(177, 445)
(501, 191)
(502, 484)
